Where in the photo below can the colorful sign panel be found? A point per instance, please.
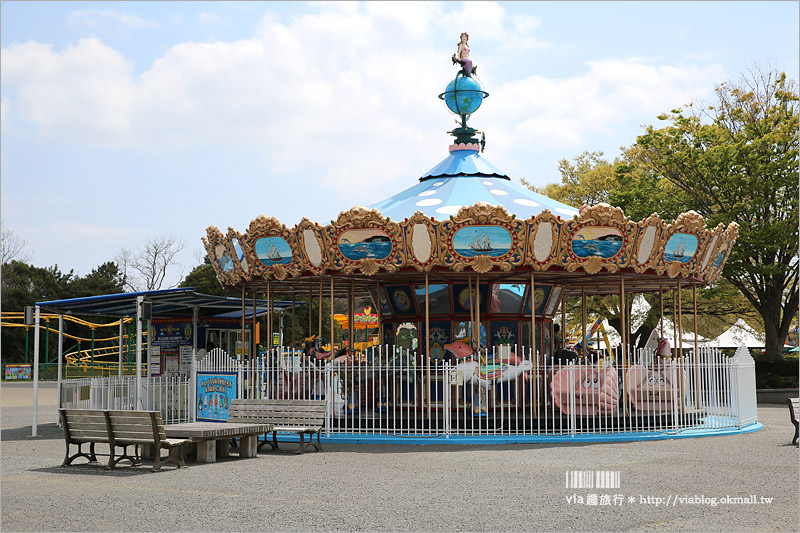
(493, 241)
(358, 244)
(215, 391)
(273, 251)
(597, 241)
(681, 247)
(18, 372)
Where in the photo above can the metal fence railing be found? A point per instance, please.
(391, 390)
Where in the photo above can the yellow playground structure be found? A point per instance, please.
(595, 331)
(102, 355)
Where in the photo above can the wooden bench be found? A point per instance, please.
(119, 429)
(794, 406)
(304, 417)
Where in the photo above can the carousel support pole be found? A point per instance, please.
(623, 308)
(351, 316)
(478, 309)
(255, 349)
(471, 313)
(696, 352)
(428, 346)
(244, 300)
(661, 319)
(679, 329)
(674, 325)
(293, 305)
(584, 340)
(380, 315)
(534, 354)
(332, 320)
(320, 311)
(310, 301)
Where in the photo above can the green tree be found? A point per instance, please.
(588, 179)
(204, 280)
(734, 161)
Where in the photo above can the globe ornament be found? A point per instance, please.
(463, 95)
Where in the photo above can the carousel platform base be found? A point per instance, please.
(707, 428)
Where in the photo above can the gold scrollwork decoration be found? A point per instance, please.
(356, 224)
(648, 243)
(676, 261)
(420, 239)
(273, 261)
(220, 256)
(605, 226)
(314, 256)
(482, 215)
(723, 252)
(542, 250)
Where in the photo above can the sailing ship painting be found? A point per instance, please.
(597, 241)
(471, 241)
(273, 251)
(680, 247)
(358, 244)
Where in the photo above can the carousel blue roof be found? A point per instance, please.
(462, 179)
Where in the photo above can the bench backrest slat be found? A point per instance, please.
(283, 412)
(136, 427)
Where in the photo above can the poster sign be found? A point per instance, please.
(18, 372)
(186, 354)
(215, 391)
(155, 365)
(172, 364)
(276, 339)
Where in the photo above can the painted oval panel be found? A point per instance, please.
(313, 249)
(225, 262)
(646, 245)
(708, 253)
(681, 247)
(597, 241)
(543, 242)
(471, 241)
(240, 254)
(358, 244)
(421, 243)
(273, 251)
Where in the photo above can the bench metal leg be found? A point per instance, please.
(302, 448)
(248, 446)
(91, 457)
(207, 451)
(114, 459)
(796, 430)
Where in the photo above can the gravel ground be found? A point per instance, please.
(382, 487)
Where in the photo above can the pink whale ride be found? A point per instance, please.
(655, 389)
(586, 388)
(462, 350)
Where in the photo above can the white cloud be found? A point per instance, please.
(212, 19)
(100, 18)
(354, 75)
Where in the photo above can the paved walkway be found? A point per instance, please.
(370, 487)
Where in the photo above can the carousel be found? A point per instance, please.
(467, 273)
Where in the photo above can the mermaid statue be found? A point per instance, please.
(462, 56)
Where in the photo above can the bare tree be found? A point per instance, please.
(152, 263)
(12, 245)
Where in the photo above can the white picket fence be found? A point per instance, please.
(390, 392)
(169, 394)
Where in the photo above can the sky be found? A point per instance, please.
(124, 121)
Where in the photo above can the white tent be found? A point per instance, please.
(740, 334)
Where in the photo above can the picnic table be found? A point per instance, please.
(207, 435)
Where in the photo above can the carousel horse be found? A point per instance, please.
(592, 388)
(485, 373)
(312, 348)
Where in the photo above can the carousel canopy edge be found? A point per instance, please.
(480, 238)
